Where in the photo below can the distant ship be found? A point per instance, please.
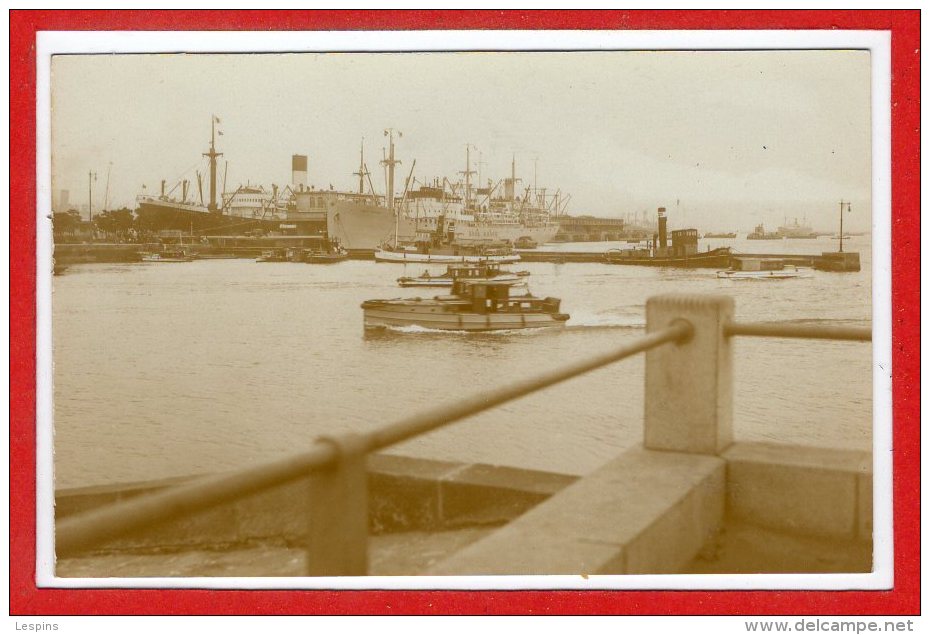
(759, 233)
(473, 215)
(246, 210)
(796, 230)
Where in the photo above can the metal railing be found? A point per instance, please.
(805, 331)
(336, 540)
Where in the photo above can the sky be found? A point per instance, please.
(724, 139)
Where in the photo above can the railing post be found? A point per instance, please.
(689, 386)
(337, 511)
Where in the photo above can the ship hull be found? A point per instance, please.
(156, 215)
(363, 225)
(716, 258)
(384, 255)
(440, 281)
(358, 225)
(764, 275)
(435, 318)
(540, 234)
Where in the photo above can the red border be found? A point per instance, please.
(26, 599)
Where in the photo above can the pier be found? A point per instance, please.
(243, 247)
(669, 505)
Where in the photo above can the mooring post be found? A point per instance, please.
(337, 528)
(689, 385)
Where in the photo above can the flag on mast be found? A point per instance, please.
(216, 119)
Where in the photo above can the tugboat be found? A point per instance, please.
(683, 252)
(481, 271)
(472, 306)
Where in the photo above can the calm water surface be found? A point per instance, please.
(176, 369)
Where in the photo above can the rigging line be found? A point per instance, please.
(187, 171)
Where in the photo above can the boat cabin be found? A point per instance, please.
(758, 264)
(478, 270)
(488, 296)
(684, 242)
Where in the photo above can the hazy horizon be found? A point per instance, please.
(723, 139)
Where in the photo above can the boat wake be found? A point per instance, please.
(581, 320)
(416, 328)
(423, 330)
(577, 322)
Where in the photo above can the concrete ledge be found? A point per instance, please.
(405, 494)
(806, 490)
(644, 512)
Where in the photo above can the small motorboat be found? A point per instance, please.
(477, 271)
(763, 269)
(168, 256)
(320, 257)
(525, 242)
(273, 255)
(486, 305)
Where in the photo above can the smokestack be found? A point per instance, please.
(299, 171)
(509, 190)
(663, 235)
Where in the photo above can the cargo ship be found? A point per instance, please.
(246, 210)
(494, 213)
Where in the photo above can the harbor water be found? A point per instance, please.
(177, 369)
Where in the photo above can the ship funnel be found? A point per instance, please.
(663, 233)
(509, 189)
(299, 171)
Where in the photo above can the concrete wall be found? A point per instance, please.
(405, 494)
(814, 491)
(655, 511)
(646, 511)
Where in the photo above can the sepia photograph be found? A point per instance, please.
(583, 317)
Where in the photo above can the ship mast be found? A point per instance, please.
(362, 172)
(467, 174)
(389, 163)
(213, 154)
(513, 180)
